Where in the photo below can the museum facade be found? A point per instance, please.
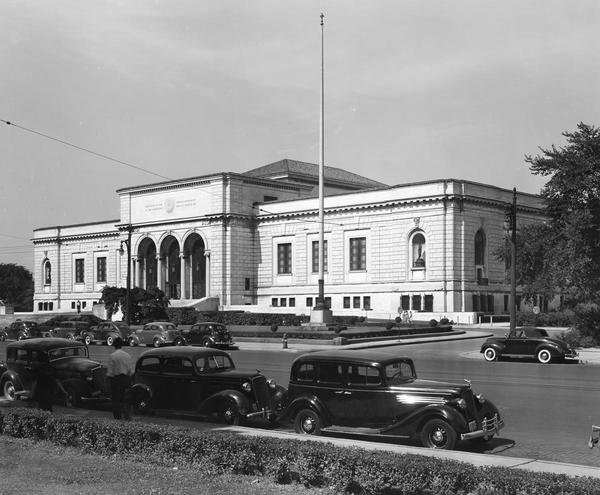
(250, 241)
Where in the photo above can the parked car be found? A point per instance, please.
(206, 334)
(81, 378)
(157, 333)
(106, 332)
(19, 330)
(530, 342)
(203, 382)
(374, 393)
(68, 330)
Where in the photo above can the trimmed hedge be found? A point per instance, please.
(286, 460)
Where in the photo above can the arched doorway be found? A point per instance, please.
(147, 265)
(170, 267)
(195, 267)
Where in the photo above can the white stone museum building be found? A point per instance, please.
(250, 241)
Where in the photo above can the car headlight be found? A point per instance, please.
(462, 403)
(271, 383)
(480, 398)
(246, 387)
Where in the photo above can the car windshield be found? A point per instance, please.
(65, 352)
(399, 372)
(214, 363)
(170, 327)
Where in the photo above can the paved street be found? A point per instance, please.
(548, 409)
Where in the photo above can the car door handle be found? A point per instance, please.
(344, 392)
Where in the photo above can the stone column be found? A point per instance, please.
(135, 269)
(159, 281)
(182, 275)
(207, 272)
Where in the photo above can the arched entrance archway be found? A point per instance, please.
(195, 267)
(147, 265)
(170, 267)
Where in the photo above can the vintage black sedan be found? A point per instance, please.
(106, 332)
(528, 342)
(375, 393)
(205, 383)
(156, 333)
(81, 378)
(206, 334)
(20, 330)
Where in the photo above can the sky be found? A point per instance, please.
(414, 90)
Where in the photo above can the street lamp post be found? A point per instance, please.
(127, 242)
(511, 224)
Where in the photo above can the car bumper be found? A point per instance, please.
(571, 354)
(489, 427)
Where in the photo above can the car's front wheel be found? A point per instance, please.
(87, 339)
(156, 342)
(308, 422)
(544, 356)
(437, 434)
(132, 342)
(490, 354)
(141, 402)
(20, 336)
(179, 341)
(230, 414)
(10, 392)
(206, 342)
(110, 340)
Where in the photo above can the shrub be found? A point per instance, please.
(444, 321)
(274, 328)
(433, 322)
(182, 316)
(284, 460)
(389, 325)
(398, 319)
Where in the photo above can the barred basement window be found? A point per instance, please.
(367, 302)
(405, 302)
(416, 303)
(356, 302)
(309, 302)
(292, 302)
(346, 302)
(283, 302)
(274, 301)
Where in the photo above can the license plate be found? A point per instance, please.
(472, 425)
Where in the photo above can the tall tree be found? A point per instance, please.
(16, 286)
(566, 252)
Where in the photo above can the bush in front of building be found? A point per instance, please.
(309, 463)
(565, 318)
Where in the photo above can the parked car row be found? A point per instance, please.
(157, 334)
(359, 391)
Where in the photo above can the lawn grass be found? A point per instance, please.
(29, 467)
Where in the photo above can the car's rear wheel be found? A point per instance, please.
(87, 339)
(179, 341)
(490, 354)
(72, 397)
(230, 413)
(437, 434)
(156, 342)
(10, 392)
(544, 356)
(206, 342)
(308, 422)
(132, 342)
(110, 340)
(20, 336)
(141, 402)
(70, 336)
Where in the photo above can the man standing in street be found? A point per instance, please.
(119, 371)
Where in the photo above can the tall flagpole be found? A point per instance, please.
(321, 298)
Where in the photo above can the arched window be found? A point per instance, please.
(47, 272)
(418, 250)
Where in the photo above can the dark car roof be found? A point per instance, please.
(45, 344)
(364, 356)
(183, 351)
(208, 323)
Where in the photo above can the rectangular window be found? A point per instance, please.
(328, 302)
(283, 302)
(50, 306)
(506, 303)
(429, 303)
(83, 304)
(358, 254)
(405, 302)
(101, 269)
(356, 302)
(284, 258)
(416, 303)
(72, 304)
(274, 301)
(315, 257)
(367, 302)
(79, 271)
(475, 302)
(246, 284)
(309, 302)
(40, 306)
(490, 303)
(292, 302)
(346, 302)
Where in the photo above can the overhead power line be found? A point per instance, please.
(81, 148)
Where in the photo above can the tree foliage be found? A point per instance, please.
(564, 253)
(16, 286)
(145, 305)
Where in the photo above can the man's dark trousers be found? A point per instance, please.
(119, 385)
